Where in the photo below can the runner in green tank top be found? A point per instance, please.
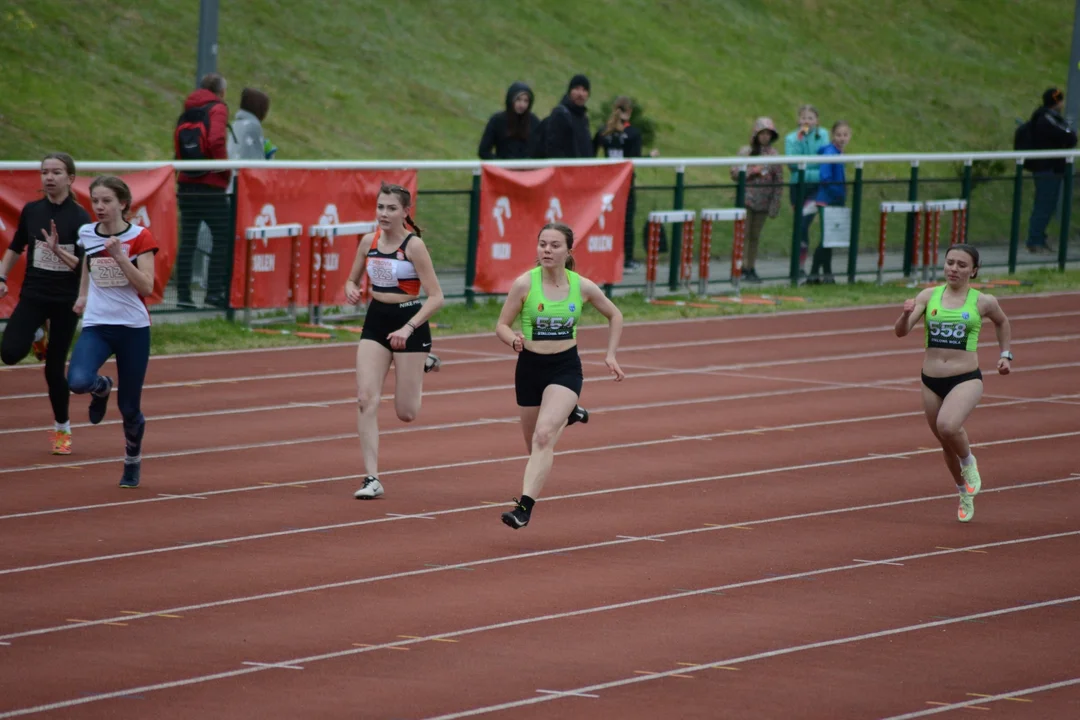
(952, 381)
(548, 377)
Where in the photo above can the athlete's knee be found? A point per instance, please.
(366, 400)
(80, 381)
(948, 427)
(544, 435)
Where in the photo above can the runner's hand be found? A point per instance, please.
(1004, 366)
(613, 366)
(352, 293)
(399, 337)
(80, 305)
(909, 306)
(114, 247)
(519, 342)
(3, 289)
(52, 237)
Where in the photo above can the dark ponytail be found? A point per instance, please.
(409, 222)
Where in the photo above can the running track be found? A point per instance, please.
(754, 524)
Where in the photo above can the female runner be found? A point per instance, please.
(952, 381)
(396, 325)
(48, 232)
(548, 378)
(116, 278)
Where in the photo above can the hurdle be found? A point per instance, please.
(317, 267)
(708, 217)
(897, 207)
(934, 208)
(270, 232)
(652, 252)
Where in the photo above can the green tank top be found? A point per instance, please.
(543, 319)
(953, 329)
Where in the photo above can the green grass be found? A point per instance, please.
(368, 80)
(457, 319)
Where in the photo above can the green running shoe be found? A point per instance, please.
(966, 511)
(972, 481)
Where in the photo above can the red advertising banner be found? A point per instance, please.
(153, 206)
(515, 204)
(308, 197)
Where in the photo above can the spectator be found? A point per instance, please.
(807, 140)
(832, 192)
(200, 134)
(509, 134)
(1049, 131)
(567, 133)
(246, 141)
(619, 139)
(764, 186)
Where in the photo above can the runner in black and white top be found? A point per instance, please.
(396, 325)
(117, 277)
(47, 233)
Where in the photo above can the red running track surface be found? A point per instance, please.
(756, 523)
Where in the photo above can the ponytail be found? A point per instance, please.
(570, 264)
(409, 222)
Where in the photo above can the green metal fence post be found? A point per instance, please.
(965, 193)
(909, 227)
(1014, 230)
(230, 313)
(473, 240)
(856, 216)
(740, 189)
(676, 230)
(796, 228)
(1066, 214)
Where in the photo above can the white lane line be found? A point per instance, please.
(985, 699)
(567, 694)
(605, 491)
(473, 463)
(635, 679)
(472, 564)
(878, 562)
(273, 665)
(595, 610)
(723, 319)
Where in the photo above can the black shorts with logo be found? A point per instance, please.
(535, 372)
(384, 318)
(942, 386)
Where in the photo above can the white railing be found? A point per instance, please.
(474, 165)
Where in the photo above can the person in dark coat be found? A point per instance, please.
(509, 134)
(567, 134)
(1049, 131)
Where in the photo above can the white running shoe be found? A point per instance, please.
(370, 490)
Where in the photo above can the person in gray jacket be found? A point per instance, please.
(246, 142)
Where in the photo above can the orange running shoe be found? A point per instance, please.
(41, 344)
(61, 443)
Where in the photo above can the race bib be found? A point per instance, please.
(553, 328)
(106, 273)
(947, 334)
(46, 259)
(381, 271)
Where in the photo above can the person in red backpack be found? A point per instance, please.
(200, 134)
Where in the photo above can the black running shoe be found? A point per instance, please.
(432, 363)
(578, 415)
(516, 518)
(131, 475)
(98, 403)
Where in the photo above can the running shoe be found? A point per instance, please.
(578, 415)
(516, 518)
(41, 344)
(61, 443)
(98, 403)
(972, 481)
(966, 511)
(370, 490)
(432, 364)
(130, 478)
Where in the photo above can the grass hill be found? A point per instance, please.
(418, 78)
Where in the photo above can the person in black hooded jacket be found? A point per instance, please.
(567, 134)
(1050, 131)
(509, 134)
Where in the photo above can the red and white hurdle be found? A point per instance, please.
(652, 252)
(708, 217)
(934, 208)
(267, 233)
(889, 208)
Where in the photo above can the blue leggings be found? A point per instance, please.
(132, 349)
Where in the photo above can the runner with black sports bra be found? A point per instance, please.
(952, 381)
(548, 379)
(396, 325)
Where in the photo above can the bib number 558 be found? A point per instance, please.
(948, 330)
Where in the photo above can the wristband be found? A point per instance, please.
(409, 323)
(1005, 354)
(3, 279)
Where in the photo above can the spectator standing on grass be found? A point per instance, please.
(764, 186)
(566, 130)
(808, 139)
(1049, 131)
(201, 135)
(832, 192)
(246, 141)
(509, 134)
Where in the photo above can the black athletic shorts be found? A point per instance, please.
(943, 385)
(384, 318)
(535, 372)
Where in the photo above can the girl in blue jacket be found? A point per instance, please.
(832, 192)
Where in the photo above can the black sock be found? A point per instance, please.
(526, 503)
